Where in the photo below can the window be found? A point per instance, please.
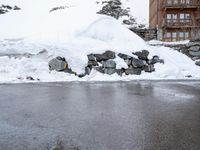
(185, 18)
(171, 18)
(185, 1)
(174, 35)
(184, 35)
(175, 1)
(169, 1)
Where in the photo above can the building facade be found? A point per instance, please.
(175, 20)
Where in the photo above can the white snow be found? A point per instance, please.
(73, 33)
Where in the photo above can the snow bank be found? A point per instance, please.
(73, 33)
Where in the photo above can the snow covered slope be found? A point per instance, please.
(73, 33)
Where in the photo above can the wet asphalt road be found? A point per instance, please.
(100, 116)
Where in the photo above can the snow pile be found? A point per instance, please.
(73, 33)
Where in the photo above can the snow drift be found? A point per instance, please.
(73, 33)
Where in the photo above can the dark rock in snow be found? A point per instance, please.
(109, 64)
(194, 54)
(105, 56)
(100, 69)
(137, 63)
(30, 78)
(197, 63)
(149, 68)
(93, 63)
(109, 71)
(58, 64)
(142, 55)
(91, 57)
(132, 70)
(124, 56)
(194, 48)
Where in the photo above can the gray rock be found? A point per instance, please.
(155, 60)
(88, 70)
(58, 64)
(195, 40)
(105, 56)
(92, 63)
(194, 54)
(109, 64)
(30, 78)
(99, 69)
(131, 71)
(190, 44)
(109, 54)
(137, 63)
(120, 71)
(124, 56)
(142, 55)
(197, 63)
(149, 68)
(91, 57)
(128, 61)
(194, 48)
(109, 71)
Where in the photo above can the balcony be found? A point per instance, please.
(181, 4)
(181, 23)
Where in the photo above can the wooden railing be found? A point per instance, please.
(182, 4)
(177, 23)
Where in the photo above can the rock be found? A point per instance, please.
(149, 68)
(109, 54)
(194, 54)
(155, 60)
(142, 55)
(16, 8)
(131, 71)
(69, 70)
(195, 40)
(92, 63)
(120, 71)
(99, 69)
(197, 63)
(195, 58)
(137, 63)
(124, 56)
(105, 56)
(88, 70)
(194, 48)
(190, 44)
(58, 64)
(128, 61)
(109, 71)
(91, 57)
(109, 64)
(29, 78)
(188, 76)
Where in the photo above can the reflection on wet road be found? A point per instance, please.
(140, 115)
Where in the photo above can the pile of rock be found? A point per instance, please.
(6, 8)
(193, 50)
(104, 63)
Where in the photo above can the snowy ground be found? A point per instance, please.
(73, 33)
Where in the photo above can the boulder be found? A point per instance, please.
(142, 54)
(91, 57)
(194, 54)
(58, 64)
(190, 44)
(132, 70)
(149, 68)
(128, 61)
(109, 71)
(88, 70)
(99, 69)
(120, 71)
(194, 48)
(109, 64)
(197, 63)
(125, 57)
(155, 60)
(137, 63)
(105, 56)
(109, 54)
(92, 63)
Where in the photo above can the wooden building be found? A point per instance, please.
(175, 20)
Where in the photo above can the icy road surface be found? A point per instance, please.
(100, 116)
